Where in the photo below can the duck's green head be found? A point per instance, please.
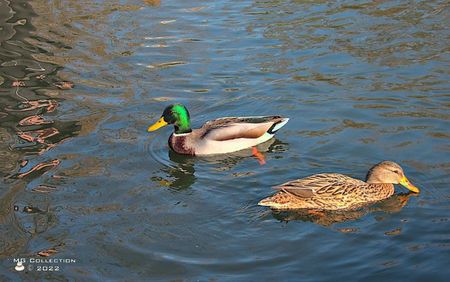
(177, 115)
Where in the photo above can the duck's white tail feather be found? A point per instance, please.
(278, 125)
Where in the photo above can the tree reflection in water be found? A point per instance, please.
(29, 124)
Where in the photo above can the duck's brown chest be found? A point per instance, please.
(180, 144)
(380, 191)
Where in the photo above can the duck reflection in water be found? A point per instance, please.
(393, 204)
(230, 160)
(182, 174)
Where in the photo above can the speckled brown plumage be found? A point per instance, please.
(332, 191)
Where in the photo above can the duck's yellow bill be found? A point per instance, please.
(160, 123)
(405, 182)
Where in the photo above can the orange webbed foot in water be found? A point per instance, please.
(259, 156)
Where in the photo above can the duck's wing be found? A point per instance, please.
(321, 185)
(229, 128)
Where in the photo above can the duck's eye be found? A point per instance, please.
(396, 171)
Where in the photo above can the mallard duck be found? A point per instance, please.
(219, 136)
(333, 191)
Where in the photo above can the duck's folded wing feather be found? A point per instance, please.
(238, 127)
(325, 184)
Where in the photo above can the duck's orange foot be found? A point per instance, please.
(259, 156)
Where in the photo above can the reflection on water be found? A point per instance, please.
(361, 81)
(28, 124)
(182, 174)
(38, 169)
(327, 218)
(179, 172)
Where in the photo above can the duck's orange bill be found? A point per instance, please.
(405, 182)
(160, 123)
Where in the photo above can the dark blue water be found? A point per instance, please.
(362, 82)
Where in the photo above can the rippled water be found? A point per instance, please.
(362, 81)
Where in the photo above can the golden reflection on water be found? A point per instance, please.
(29, 126)
(38, 169)
(152, 2)
(326, 218)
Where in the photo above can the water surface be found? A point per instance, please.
(361, 81)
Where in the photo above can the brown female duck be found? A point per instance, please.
(332, 191)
